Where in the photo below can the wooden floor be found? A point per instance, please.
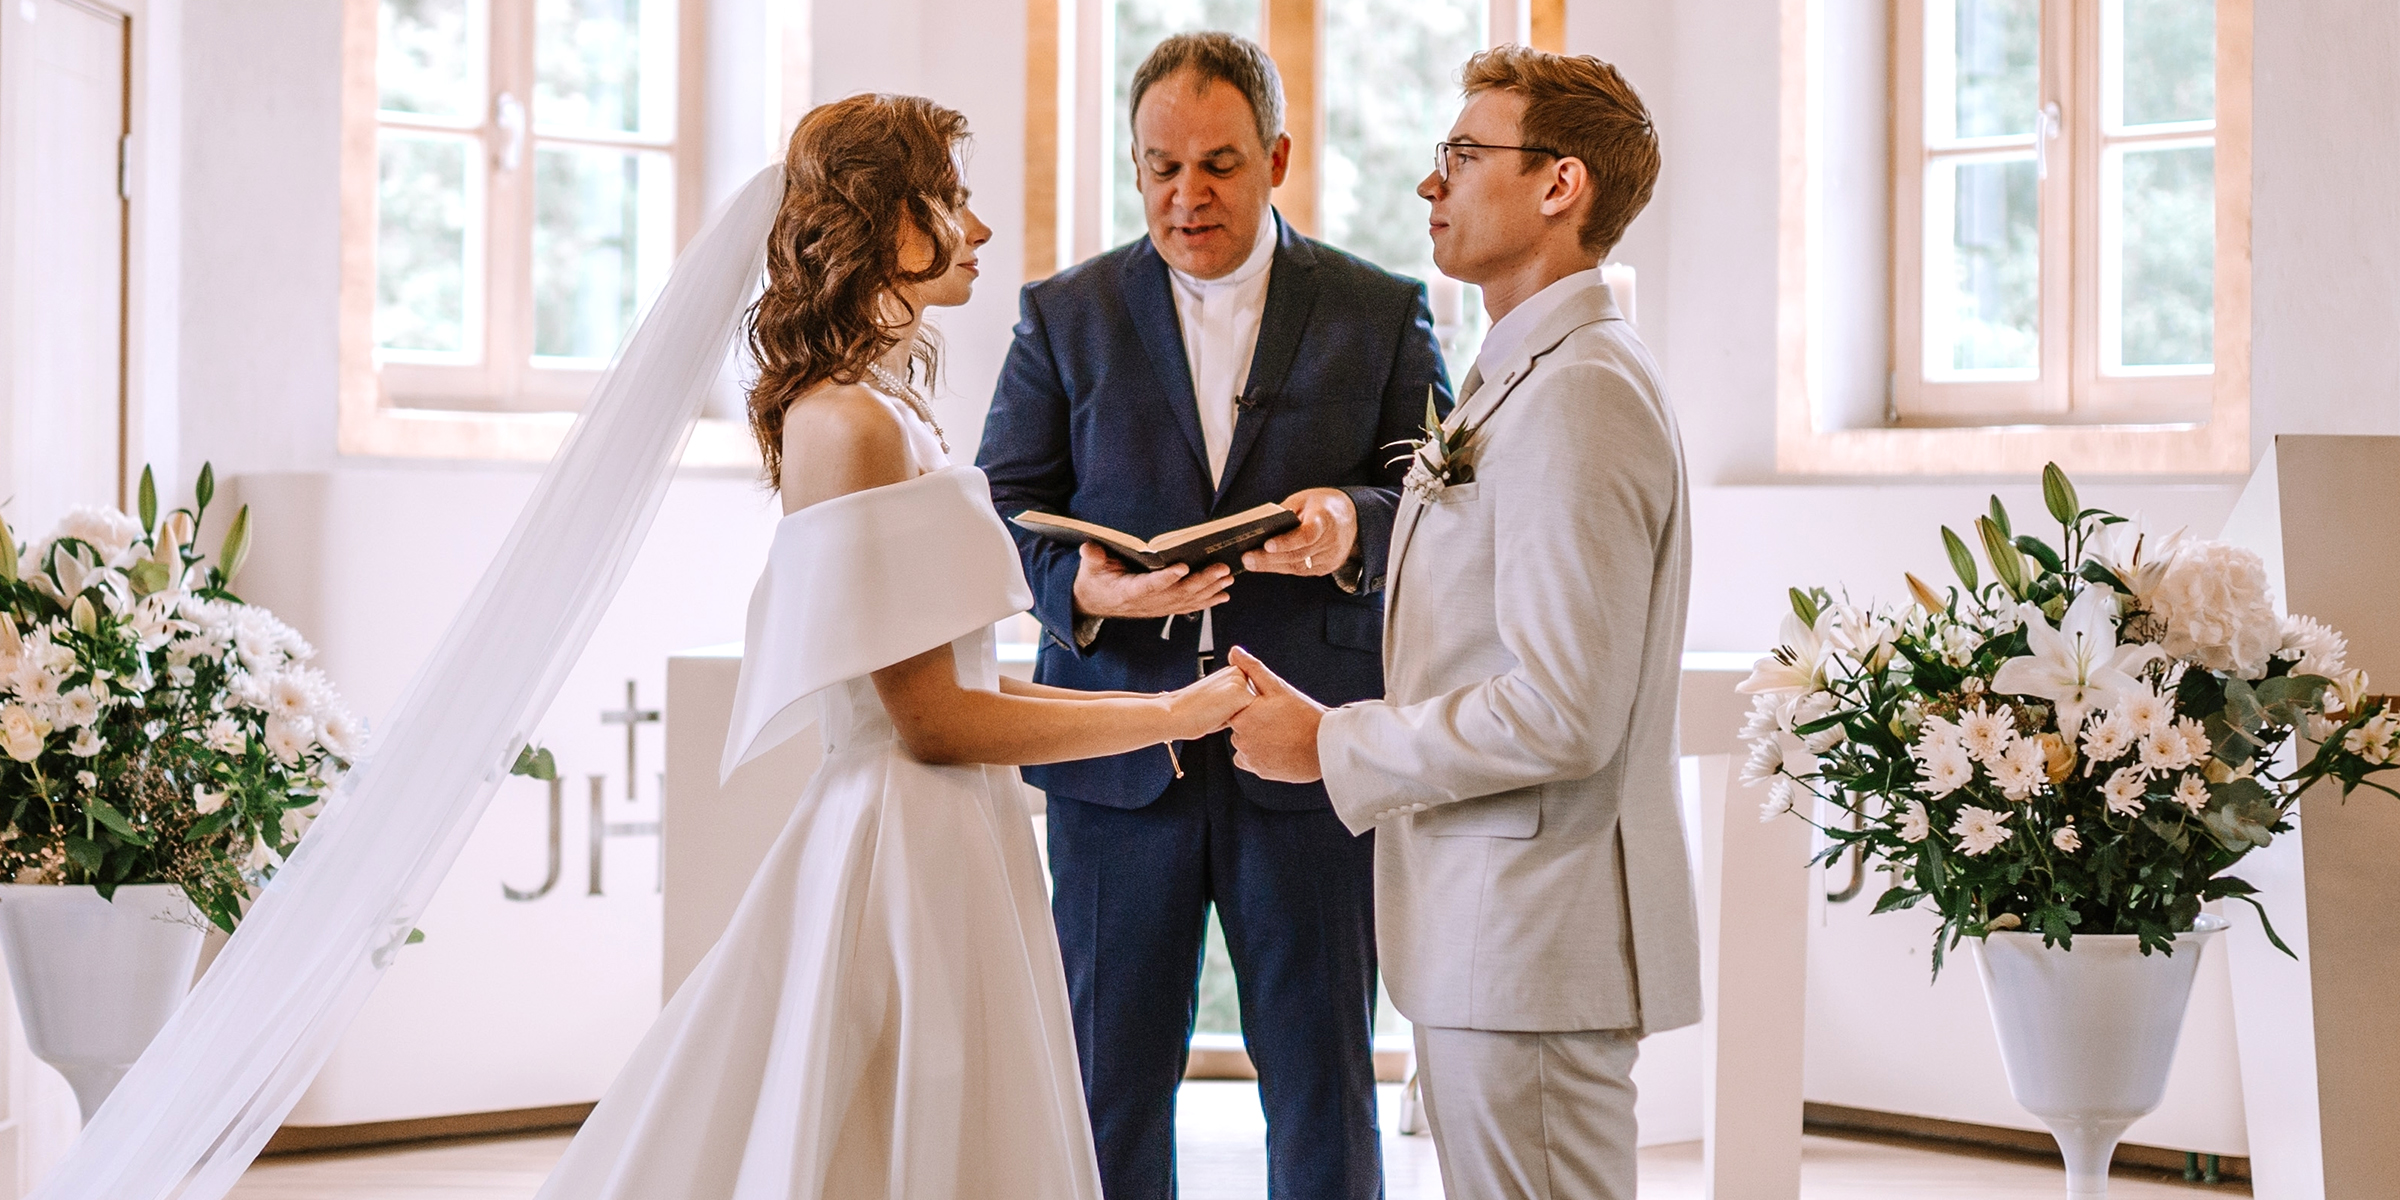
(1220, 1151)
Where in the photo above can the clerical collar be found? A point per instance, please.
(1262, 252)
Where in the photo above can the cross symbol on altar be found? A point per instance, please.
(633, 716)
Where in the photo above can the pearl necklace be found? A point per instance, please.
(899, 387)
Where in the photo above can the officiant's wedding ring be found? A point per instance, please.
(1309, 561)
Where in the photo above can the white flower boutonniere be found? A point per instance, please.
(1438, 459)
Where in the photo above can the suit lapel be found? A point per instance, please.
(1291, 293)
(1150, 300)
(1478, 398)
(1404, 522)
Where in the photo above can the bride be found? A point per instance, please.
(886, 1014)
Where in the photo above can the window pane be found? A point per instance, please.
(605, 66)
(603, 236)
(1391, 92)
(2170, 60)
(1989, 84)
(425, 205)
(1983, 281)
(2167, 251)
(1136, 27)
(428, 57)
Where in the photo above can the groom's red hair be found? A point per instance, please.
(857, 173)
(1579, 107)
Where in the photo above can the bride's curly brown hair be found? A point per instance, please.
(859, 173)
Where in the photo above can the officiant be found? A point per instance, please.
(1221, 362)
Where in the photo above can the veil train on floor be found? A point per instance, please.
(190, 1117)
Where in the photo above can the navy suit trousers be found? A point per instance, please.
(1295, 894)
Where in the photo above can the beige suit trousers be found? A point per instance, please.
(1531, 1116)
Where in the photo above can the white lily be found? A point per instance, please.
(1797, 666)
(2135, 555)
(2078, 666)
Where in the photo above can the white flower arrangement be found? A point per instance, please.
(2086, 744)
(156, 729)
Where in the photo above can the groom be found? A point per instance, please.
(1222, 362)
(1533, 908)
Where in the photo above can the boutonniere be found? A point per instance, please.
(1439, 458)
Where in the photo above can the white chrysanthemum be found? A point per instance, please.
(35, 682)
(1938, 731)
(1946, 768)
(2192, 792)
(288, 738)
(2124, 792)
(85, 743)
(1987, 735)
(288, 695)
(2066, 839)
(2022, 769)
(2213, 598)
(1765, 762)
(2314, 647)
(1824, 739)
(341, 734)
(2145, 709)
(1765, 716)
(1980, 830)
(78, 708)
(1778, 801)
(1915, 824)
(2109, 737)
(246, 690)
(2194, 736)
(224, 735)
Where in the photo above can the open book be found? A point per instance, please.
(1223, 540)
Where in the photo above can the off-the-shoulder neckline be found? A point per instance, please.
(880, 489)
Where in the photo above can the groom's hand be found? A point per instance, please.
(1327, 535)
(1276, 737)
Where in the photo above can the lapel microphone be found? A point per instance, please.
(1246, 401)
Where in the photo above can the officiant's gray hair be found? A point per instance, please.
(1210, 54)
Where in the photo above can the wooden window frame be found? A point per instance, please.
(495, 409)
(1062, 112)
(2077, 417)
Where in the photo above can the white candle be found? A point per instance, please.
(1619, 278)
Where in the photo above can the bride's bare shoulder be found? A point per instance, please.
(840, 439)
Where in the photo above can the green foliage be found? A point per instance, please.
(143, 738)
(535, 763)
(2195, 791)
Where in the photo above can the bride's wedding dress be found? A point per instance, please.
(886, 1015)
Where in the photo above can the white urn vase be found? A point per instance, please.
(2088, 1034)
(97, 979)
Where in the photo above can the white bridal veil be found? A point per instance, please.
(192, 1114)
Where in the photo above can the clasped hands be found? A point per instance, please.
(1274, 724)
(1328, 532)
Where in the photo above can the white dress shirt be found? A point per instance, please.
(1220, 319)
(1509, 332)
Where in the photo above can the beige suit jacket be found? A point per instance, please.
(1520, 773)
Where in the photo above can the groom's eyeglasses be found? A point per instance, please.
(1443, 150)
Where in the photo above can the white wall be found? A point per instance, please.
(255, 346)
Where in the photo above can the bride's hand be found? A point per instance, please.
(1208, 705)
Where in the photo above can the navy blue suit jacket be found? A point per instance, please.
(1094, 417)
